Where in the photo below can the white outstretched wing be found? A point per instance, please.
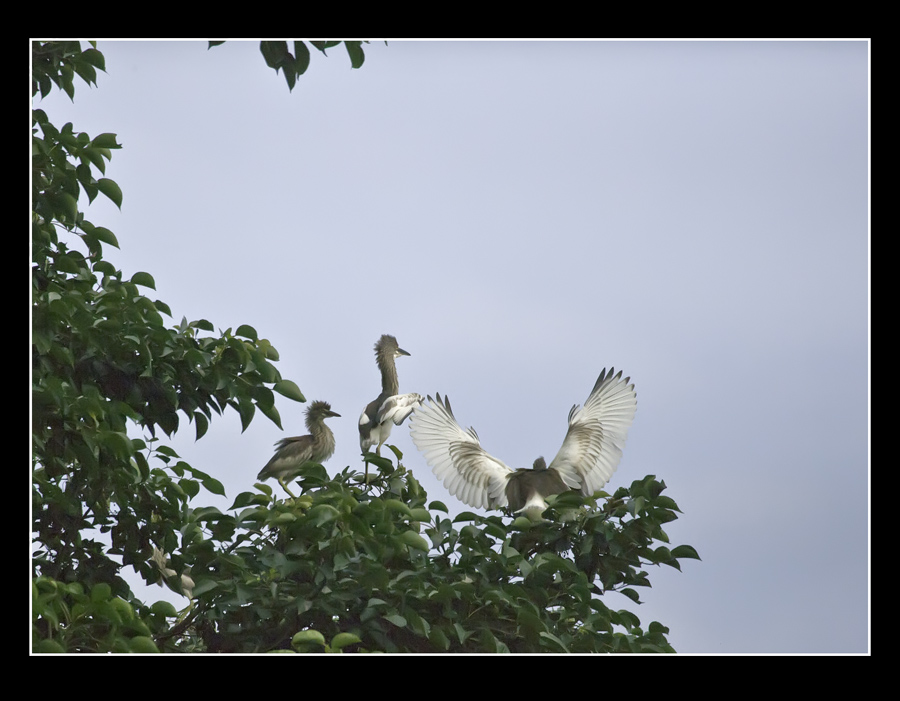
(398, 407)
(377, 420)
(593, 445)
(456, 456)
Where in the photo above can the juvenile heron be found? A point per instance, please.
(390, 407)
(585, 462)
(291, 453)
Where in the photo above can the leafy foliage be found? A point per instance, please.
(279, 56)
(102, 360)
(381, 569)
(58, 62)
(345, 566)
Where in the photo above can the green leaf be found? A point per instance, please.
(417, 624)
(301, 57)
(167, 450)
(495, 530)
(466, 516)
(105, 141)
(631, 594)
(657, 627)
(378, 461)
(246, 331)
(213, 485)
(95, 58)
(555, 640)
(636, 505)
(414, 540)
(105, 235)
(662, 554)
(111, 190)
(420, 514)
(396, 619)
(627, 618)
(289, 390)
(100, 593)
(246, 411)
(202, 424)
(354, 48)
(117, 443)
(164, 608)
(323, 513)
(397, 506)
(342, 640)
(189, 487)
(204, 585)
(69, 205)
(663, 502)
(439, 639)
(308, 636)
(144, 279)
(142, 644)
(274, 52)
(290, 76)
(86, 72)
(48, 647)
(271, 413)
(685, 551)
(244, 499)
(322, 45)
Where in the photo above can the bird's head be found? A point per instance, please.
(539, 464)
(387, 346)
(319, 411)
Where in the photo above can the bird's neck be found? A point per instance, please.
(322, 435)
(390, 383)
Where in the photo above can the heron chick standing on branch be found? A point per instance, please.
(390, 407)
(291, 453)
(587, 459)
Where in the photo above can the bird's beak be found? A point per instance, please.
(333, 413)
(400, 351)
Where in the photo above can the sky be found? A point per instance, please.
(522, 215)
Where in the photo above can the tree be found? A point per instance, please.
(345, 566)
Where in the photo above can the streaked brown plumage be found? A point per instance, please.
(291, 453)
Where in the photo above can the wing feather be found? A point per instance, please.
(290, 453)
(398, 407)
(596, 436)
(456, 457)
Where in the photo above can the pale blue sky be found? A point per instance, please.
(521, 215)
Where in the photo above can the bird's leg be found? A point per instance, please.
(281, 482)
(366, 475)
(378, 453)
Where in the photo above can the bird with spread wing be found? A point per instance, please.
(587, 459)
(390, 408)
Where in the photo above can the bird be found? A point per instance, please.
(390, 407)
(291, 453)
(587, 459)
